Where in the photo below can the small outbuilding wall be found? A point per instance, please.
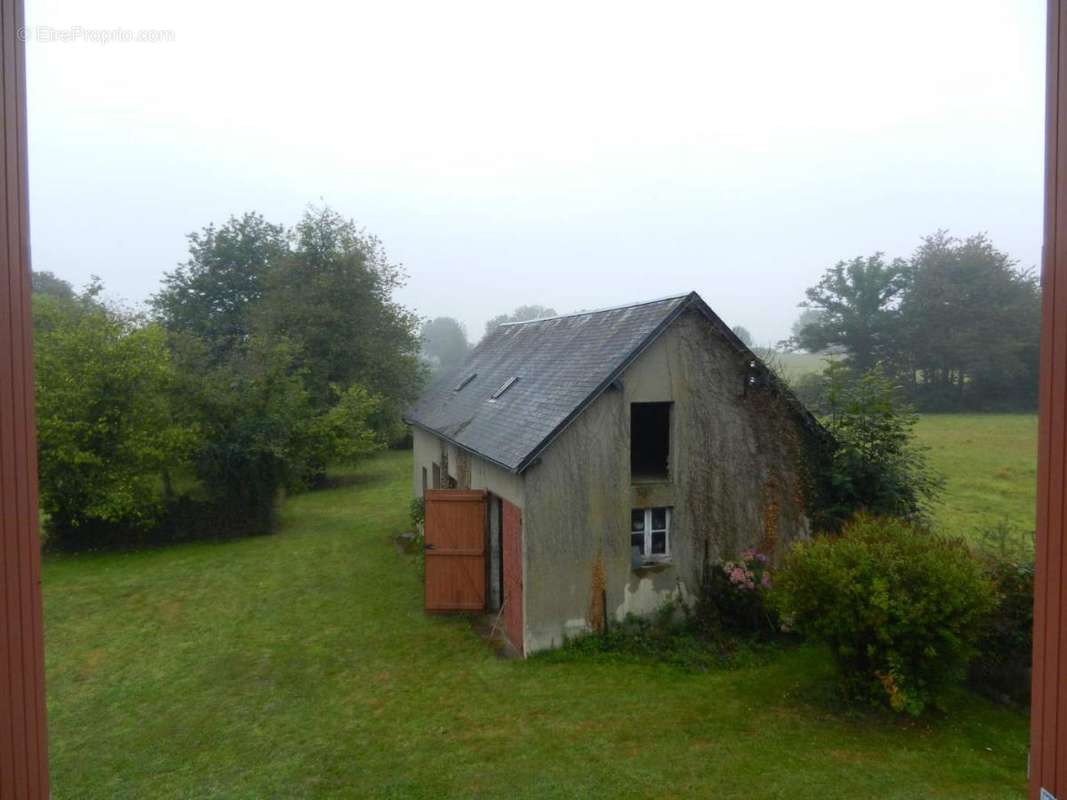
(735, 482)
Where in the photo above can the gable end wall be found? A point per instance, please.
(734, 484)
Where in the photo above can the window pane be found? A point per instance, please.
(659, 543)
(638, 540)
(637, 520)
(659, 519)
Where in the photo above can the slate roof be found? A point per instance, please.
(562, 365)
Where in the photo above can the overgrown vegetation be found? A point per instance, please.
(730, 623)
(106, 430)
(1005, 645)
(270, 355)
(873, 464)
(900, 609)
(689, 639)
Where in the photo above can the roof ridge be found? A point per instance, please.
(598, 310)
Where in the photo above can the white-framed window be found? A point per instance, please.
(650, 533)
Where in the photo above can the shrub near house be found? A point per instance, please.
(901, 610)
(735, 595)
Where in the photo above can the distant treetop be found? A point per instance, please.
(520, 314)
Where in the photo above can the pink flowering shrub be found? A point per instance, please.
(736, 594)
(748, 573)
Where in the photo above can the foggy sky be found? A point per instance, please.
(575, 155)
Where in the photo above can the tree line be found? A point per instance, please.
(956, 325)
(268, 355)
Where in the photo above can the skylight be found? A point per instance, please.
(465, 381)
(504, 387)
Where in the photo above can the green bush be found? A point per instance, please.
(1002, 668)
(873, 465)
(900, 609)
(417, 510)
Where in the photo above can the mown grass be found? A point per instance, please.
(301, 665)
(990, 465)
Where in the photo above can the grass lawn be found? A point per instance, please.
(301, 665)
(990, 462)
(795, 365)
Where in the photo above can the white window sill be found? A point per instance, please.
(653, 565)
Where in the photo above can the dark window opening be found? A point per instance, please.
(650, 440)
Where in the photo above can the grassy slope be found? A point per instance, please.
(301, 664)
(990, 462)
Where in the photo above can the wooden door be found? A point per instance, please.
(455, 527)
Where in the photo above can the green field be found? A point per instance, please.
(990, 465)
(794, 365)
(301, 665)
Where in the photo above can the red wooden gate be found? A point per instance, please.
(455, 527)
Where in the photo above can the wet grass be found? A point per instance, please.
(301, 665)
(990, 463)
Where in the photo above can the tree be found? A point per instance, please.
(105, 426)
(343, 434)
(807, 316)
(213, 295)
(331, 296)
(444, 343)
(874, 465)
(971, 326)
(859, 304)
(260, 431)
(520, 314)
(47, 283)
(741, 332)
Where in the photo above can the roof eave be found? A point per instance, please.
(416, 424)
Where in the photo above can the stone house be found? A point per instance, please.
(608, 458)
